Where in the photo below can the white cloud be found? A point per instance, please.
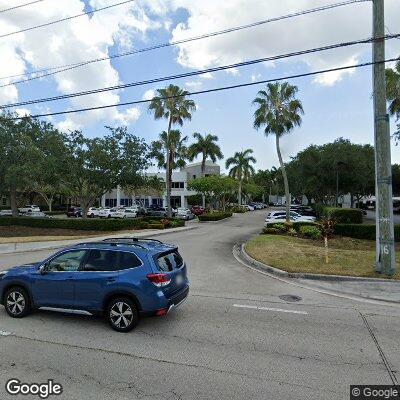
(346, 23)
(255, 77)
(72, 41)
(207, 75)
(130, 115)
(148, 94)
(330, 78)
(22, 112)
(193, 84)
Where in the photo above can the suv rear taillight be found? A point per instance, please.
(159, 280)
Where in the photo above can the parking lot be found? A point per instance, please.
(234, 337)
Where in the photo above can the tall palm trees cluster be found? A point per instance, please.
(278, 113)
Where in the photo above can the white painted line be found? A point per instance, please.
(270, 309)
(4, 333)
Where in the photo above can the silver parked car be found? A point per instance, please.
(184, 213)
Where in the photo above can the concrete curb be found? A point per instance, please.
(12, 248)
(315, 277)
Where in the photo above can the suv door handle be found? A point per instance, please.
(111, 279)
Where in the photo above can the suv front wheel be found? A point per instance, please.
(17, 302)
(122, 314)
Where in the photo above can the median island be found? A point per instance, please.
(345, 256)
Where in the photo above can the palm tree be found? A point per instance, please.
(393, 94)
(170, 152)
(206, 146)
(279, 112)
(241, 169)
(171, 103)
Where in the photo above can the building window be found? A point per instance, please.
(178, 185)
(194, 176)
(4, 201)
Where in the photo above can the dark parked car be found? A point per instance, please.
(121, 279)
(197, 210)
(158, 212)
(74, 212)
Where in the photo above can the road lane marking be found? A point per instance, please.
(270, 309)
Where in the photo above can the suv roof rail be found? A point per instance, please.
(133, 239)
(112, 242)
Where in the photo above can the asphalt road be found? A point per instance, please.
(234, 338)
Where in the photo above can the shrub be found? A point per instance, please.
(85, 224)
(311, 232)
(367, 232)
(156, 226)
(144, 225)
(215, 216)
(279, 227)
(55, 212)
(292, 232)
(237, 209)
(298, 225)
(343, 215)
(270, 231)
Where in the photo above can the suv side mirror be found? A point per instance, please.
(43, 269)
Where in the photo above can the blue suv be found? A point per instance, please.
(122, 279)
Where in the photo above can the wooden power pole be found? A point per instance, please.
(385, 257)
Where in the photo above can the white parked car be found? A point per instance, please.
(105, 212)
(248, 207)
(293, 214)
(93, 212)
(184, 213)
(123, 213)
(6, 213)
(29, 208)
(281, 219)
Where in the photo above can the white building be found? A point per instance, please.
(179, 190)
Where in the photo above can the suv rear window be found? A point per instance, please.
(169, 262)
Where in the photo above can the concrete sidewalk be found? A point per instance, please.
(8, 248)
(382, 291)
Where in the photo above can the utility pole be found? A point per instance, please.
(385, 257)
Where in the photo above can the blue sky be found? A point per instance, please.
(336, 106)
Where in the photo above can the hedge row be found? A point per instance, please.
(215, 216)
(90, 224)
(343, 215)
(367, 232)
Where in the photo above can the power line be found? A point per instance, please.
(67, 67)
(195, 73)
(219, 89)
(20, 6)
(64, 19)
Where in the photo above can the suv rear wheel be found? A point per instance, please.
(122, 314)
(17, 303)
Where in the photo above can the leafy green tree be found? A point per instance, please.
(214, 187)
(241, 169)
(313, 171)
(279, 112)
(206, 147)
(393, 95)
(19, 157)
(252, 191)
(396, 179)
(96, 166)
(170, 152)
(50, 179)
(171, 103)
(264, 179)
